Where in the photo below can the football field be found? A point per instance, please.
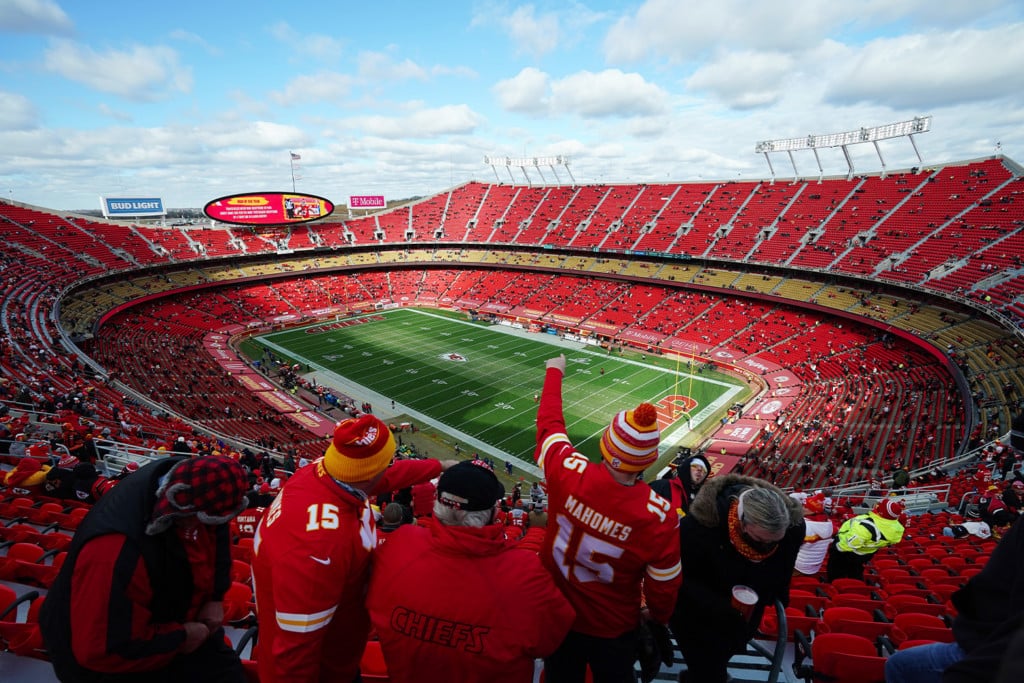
(479, 382)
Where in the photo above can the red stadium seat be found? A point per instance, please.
(238, 604)
(911, 626)
(29, 552)
(841, 658)
(372, 666)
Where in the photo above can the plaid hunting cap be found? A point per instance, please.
(210, 487)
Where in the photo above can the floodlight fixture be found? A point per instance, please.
(863, 135)
(536, 163)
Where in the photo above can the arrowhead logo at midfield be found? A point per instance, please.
(457, 357)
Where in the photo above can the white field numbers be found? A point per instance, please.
(581, 554)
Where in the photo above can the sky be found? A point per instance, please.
(190, 101)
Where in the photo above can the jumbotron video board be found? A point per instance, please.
(268, 208)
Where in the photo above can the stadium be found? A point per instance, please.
(817, 332)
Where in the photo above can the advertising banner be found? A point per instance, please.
(367, 201)
(268, 208)
(124, 207)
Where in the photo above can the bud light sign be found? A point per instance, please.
(114, 207)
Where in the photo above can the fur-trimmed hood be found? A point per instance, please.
(704, 507)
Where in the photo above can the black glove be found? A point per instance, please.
(653, 648)
(664, 641)
(647, 652)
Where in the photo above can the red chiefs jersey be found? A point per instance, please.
(311, 561)
(460, 605)
(516, 521)
(605, 542)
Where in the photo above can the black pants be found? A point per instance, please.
(845, 565)
(707, 644)
(610, 659)
(212, 662)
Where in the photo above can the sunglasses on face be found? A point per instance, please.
(760, 545)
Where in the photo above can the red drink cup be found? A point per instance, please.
(744, 599)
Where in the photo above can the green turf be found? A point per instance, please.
(490, 395)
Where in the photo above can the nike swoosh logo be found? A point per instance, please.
(320, 560)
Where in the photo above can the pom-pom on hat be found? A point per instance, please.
(361, 449)
(890, 508)
(469, 485)
(630, 443)
(211, 487)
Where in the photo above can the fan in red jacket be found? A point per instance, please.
(609, 536)
(312, 555)
(433, 597)
(140, 596)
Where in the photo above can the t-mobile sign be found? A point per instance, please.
(366, 201)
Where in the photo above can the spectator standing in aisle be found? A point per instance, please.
(860, 537)
(609, 538)
(139, 597)
(681, 489)
(739, 532)
(436, 628)
(820, 531)
(312, 555)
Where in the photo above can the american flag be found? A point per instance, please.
(295, 157)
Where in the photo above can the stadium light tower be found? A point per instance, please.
(531, 162)
(900, 129)
(293, 157)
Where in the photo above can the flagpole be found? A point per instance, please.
(291, 164)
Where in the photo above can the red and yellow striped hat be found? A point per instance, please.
(361, 449)
(630, 443)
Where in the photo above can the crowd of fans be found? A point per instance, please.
(372, 548)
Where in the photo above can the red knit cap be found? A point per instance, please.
(890, 508)
(630, 443)
(360, 450)
(815, 505)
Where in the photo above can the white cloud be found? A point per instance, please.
(142, 72)
(532, 33)
(744, 80)
(111, 113)
(34, 16)
(607, 93)
(933, 70)
(456, 119)
(319, 87)
(17, 112)
(681, 31)
(195, 39)
(379, 66)
(316, 45)
(525, 92)
(252, 135)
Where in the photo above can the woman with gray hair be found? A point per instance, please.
(738, 543)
